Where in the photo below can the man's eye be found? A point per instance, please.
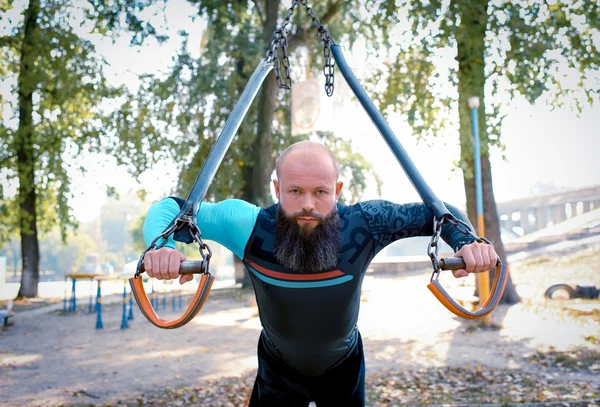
(321, 192)
(295, 191)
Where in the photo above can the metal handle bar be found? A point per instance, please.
(187, 267)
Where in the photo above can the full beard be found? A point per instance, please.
(304, 249)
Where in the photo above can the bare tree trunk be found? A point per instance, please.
(471, 82)
(26, 157)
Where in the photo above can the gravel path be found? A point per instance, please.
(51, 359)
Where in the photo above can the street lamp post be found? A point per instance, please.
(483, 279)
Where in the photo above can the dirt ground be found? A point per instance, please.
(48, 358)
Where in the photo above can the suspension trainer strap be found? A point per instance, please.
(500, 279)
(187, 217)
(426, 194)
(441, 213)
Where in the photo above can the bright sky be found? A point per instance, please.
(542, 146)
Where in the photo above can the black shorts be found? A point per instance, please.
(277, 385)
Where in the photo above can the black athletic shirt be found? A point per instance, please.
(309, 320)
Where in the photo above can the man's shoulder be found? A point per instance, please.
(372, 207)
(269, 212)
(366, 211)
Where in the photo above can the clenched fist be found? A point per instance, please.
(478, 257)
(163, 264)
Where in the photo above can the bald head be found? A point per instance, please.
(307, 181)
(310, 153)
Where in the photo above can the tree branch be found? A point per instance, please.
(330, 13)
(300, 34)
(260, 14)
(5, 159)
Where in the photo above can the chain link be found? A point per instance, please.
(433, 248)
(184, 221)
(280, 41)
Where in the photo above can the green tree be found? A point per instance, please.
(116, 218)
(199, 93)
(501, 49)
(56, 100)
(62, 257)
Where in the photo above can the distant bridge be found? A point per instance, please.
(540, 211)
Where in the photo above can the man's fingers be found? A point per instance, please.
(148, 265)
(163, 264)
(163, 272)
(493, 257)
(478, 268)
(173, 271)
(485, 259)
(184, 278)
(460, 273)
(478, 258)
(469, 260)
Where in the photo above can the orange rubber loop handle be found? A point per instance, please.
(137, 288)
(490, 304)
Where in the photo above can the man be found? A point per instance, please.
(307, 256)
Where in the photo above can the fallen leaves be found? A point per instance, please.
(575, 359)
(474, 386)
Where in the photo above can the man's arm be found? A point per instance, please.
(389, 222)
(229, 223)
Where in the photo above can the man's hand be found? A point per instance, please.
(163, 264)
(478, 257)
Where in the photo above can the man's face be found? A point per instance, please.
(307, 187)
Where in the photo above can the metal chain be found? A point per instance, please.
(280, 41)
(185, 220)
(433, 248)
(323, 34)
(196, 235)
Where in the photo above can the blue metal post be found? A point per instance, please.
(99, 324)
(65, 299)
(91, 293)
(153, 298)
(477, 164)
(73, 296)
(124, 323)
(483, 279)
(130, 317)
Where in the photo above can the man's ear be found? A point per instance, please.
(276, 186)
(338, 189)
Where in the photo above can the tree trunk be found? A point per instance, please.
(26, 157)
(471, 82)
(257, 188)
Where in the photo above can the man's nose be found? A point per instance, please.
(308, 204)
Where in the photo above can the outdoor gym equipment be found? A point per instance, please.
(185, 224)
(585, 292)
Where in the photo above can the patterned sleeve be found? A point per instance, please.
(389, 222)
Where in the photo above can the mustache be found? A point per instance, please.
(307, 214)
